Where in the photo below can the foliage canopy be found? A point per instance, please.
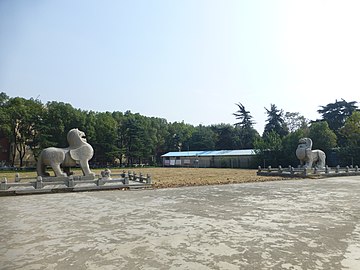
(130, 138)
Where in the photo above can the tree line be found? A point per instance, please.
(130, 138)
(337, 133)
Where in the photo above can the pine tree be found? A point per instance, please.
(244, 117)
(336, 113)
(275, 122)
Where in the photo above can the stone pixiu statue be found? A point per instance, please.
(309, 158)
(78, 152)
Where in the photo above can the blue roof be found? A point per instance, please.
(242, 152)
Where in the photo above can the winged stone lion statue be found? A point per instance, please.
(308, 157)
(78, 152)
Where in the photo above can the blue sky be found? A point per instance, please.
(188, 60)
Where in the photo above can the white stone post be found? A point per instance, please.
(70, 182)
(39, 183)
(3, 184)
(148, 179)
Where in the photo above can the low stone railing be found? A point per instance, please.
(78, 183)
(308, 172)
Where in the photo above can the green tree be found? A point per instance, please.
(106, 135)
(244, 129)
(244, 117)
(269, 149)
(121, 135)
(160, 133)
(322, 136)
(349, 154)
(246, 137)
(335, 115)
(295, 121)
(289, 144)
(3, 98)
(59, 118)
(24, 118)
(34, 126)
(275, 122)
(139, 138)
(226, 137)
(150, 140)
(5, 129)
(133, 135)
(179, 135)
(90, 125)
(203, 138)
(351, 130)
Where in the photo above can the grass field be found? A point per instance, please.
(177, 177)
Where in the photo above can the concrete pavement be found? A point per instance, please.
(297, 224)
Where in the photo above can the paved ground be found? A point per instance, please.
(299, 224)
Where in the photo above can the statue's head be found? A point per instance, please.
(76, 137)
(305, 143)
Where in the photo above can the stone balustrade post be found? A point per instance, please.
(148, 179)
(39, 183)
(70, 182)
(100, 182)
(3, 184)
(126, 179)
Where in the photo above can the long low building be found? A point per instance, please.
(211, 159)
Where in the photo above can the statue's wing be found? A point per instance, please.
(309, 143)
(84, 152)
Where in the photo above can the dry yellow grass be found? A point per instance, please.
(178, 177)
